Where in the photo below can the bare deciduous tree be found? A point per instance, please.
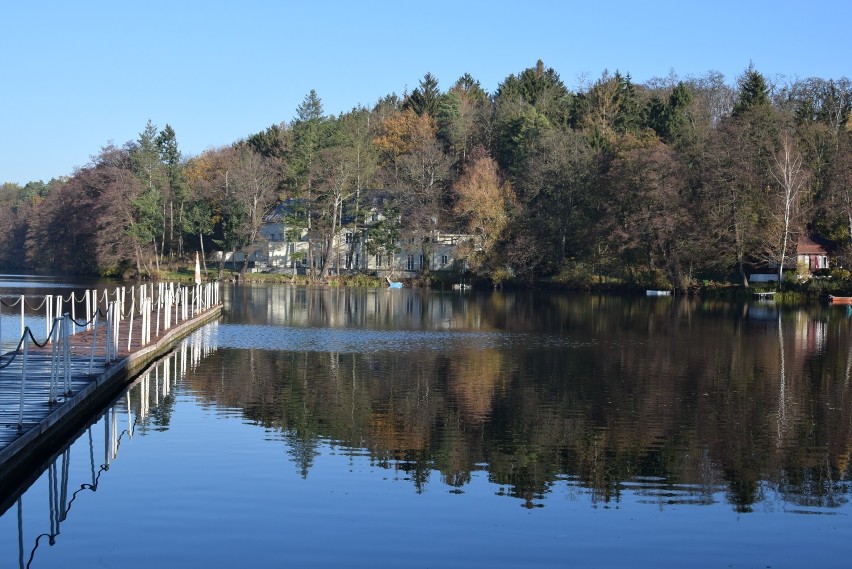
(792, 179)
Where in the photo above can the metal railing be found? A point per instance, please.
(170, 300)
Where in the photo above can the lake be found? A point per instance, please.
(390, 428)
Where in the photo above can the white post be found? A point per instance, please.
(73, 314)
(67, 345)
(58, 312)
(94, 294)
(94, 319)
(146, 325)
(54, 363)
(108, 340)
(48, 313)
(130, 329)
(23, 380)
(116, 323)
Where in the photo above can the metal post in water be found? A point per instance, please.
(63, 494)
(106, 439)
(20, 532)
(129, 416)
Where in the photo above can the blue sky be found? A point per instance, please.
(78, 75)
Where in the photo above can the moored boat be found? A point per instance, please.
(658, 293)
(839, 299)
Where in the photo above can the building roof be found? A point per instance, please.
(806, 246)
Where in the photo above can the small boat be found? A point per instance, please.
(839, 299)
(393, 284)
(658, 293)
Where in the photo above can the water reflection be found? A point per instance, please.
(420, 425)
(676, 400)
(146, 404)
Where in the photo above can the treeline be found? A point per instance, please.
(663, 184)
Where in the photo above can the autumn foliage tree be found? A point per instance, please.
(483, 203)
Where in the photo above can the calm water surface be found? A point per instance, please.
(377, 428)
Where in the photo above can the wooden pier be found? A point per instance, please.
(31, 424)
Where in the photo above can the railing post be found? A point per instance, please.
(159, 305)
(130, 328)
(116, 322)
(108, 341)
(48, 316)
(22, 314)
(148, 312)
(94, 320)
(73, 314)
(54, 360)
(58, 306)
(67, 327)
(26, 343)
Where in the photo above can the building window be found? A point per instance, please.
(410, 264)
(378, 261)
(348, 260)
(349, 238)
(444, 259)
(423, 261)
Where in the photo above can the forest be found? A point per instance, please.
(675, 183)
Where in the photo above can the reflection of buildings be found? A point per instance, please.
(341, 307)
(811, 334)
(141, 404)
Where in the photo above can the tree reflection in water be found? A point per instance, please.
(679, 399)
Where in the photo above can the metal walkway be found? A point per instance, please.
(25, 407)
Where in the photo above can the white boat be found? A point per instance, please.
(658, 293)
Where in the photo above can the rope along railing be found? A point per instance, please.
(170, 299)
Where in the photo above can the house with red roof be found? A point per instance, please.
(811, 254)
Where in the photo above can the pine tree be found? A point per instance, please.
(753, 91)
(424, 99)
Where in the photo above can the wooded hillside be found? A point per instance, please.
(669, 183)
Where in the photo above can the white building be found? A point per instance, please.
(288, 249)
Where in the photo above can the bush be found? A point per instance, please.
(839, 274)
